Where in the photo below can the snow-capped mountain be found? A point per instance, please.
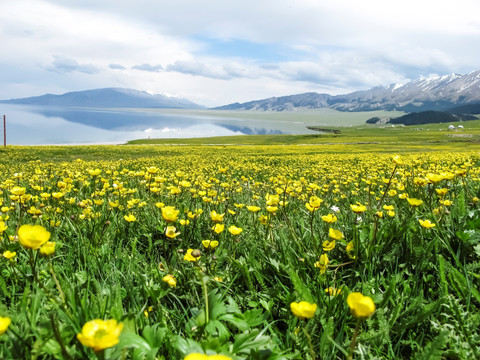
(433, 93)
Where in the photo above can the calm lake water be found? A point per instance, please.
(42, 125)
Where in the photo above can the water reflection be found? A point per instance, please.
(35, 125)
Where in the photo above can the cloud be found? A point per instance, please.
(116, 67)
(148, 67)
(65, 65)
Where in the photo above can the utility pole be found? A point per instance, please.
(4, 131)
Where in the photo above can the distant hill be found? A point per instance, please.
(466, 109)
(436, 93)
(108, 98)
(424, 117)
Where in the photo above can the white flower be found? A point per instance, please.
(335, 208)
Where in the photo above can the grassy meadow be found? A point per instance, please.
(362, 245)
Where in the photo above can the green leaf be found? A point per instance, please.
(433, 350)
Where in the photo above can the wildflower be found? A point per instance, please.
(235, 230)
(397, 159)
(361, 306)
(322, 263)
(130, 218)
(18, 190)
(441, 192)
(414, 202)
(272, 208)
(263, 219)
(216, 217)
(198, 356)
(272, 200)
(446, 202)
(170, 280)
(359, 208)
(253, 208)
(335, 234)
(330, 218)
(350, 250)
(391, 213)
(9, 254)
(328, 245)
(218, 228)
(48, 248)
(4, 324)
(434, 178)
(379, 214)
(210, 244)
(333, 291)
(3, 227)
(314, 203)
(169, 213)
(33, 236)
(170, 232)
(100, 334)
(192, 255)
(303, 309)
(427, 224)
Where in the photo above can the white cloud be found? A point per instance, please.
(335, 46)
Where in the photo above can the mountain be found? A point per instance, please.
(435, 93)
(108, 98)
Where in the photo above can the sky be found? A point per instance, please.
(216, 52)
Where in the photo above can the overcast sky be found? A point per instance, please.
(215, 52)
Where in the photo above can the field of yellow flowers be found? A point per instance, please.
(254, 252)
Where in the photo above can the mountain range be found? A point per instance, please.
(108, 98)
(433, 93)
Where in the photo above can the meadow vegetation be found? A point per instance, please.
(241, 252)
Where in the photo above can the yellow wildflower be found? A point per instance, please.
(48, 248)
(4, 324)
(9, 254)
(303, 309)
(170, 280)
(358, 208)
(33, 236)
(130, 218)
(210, 244)
(361, 306)
(427, 224)
(169, 213)
(322, 263)
(330, 218)
(171, 233)
(100, 334)
(218, 228)
(235, 230)
(328, 245)
(335, 234)
(192, 255)
(414, 202)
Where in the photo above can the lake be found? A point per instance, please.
(48, 125)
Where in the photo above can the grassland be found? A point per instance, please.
(361, 245)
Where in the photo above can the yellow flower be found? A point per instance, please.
(397, 159)
(441, 192)
(328, 245)
(350, 250)
(427, 224)
(361, 306)
(414, 202)
(314, 203)
(272, 200)
(253, 208)
(263, 219)
(170, 232)
(446, 202)
(303, 309)
(434, 178)
(9, 254)
(333, 291)
(216, 217)
(58, 195)
(330, 218)
(100, 334)
(192, 255)
(335, 234)
(4, 324)
(272, 208)
(33, 236)
(170, 280)
(130, 217)
(18, 190)
(210, 244)
(322, 263)
(169, 213)
(359, 208)
(379, 214)
(218, 228)
(235, 230)
(3, 227)
(48, 248)
(198, 356)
